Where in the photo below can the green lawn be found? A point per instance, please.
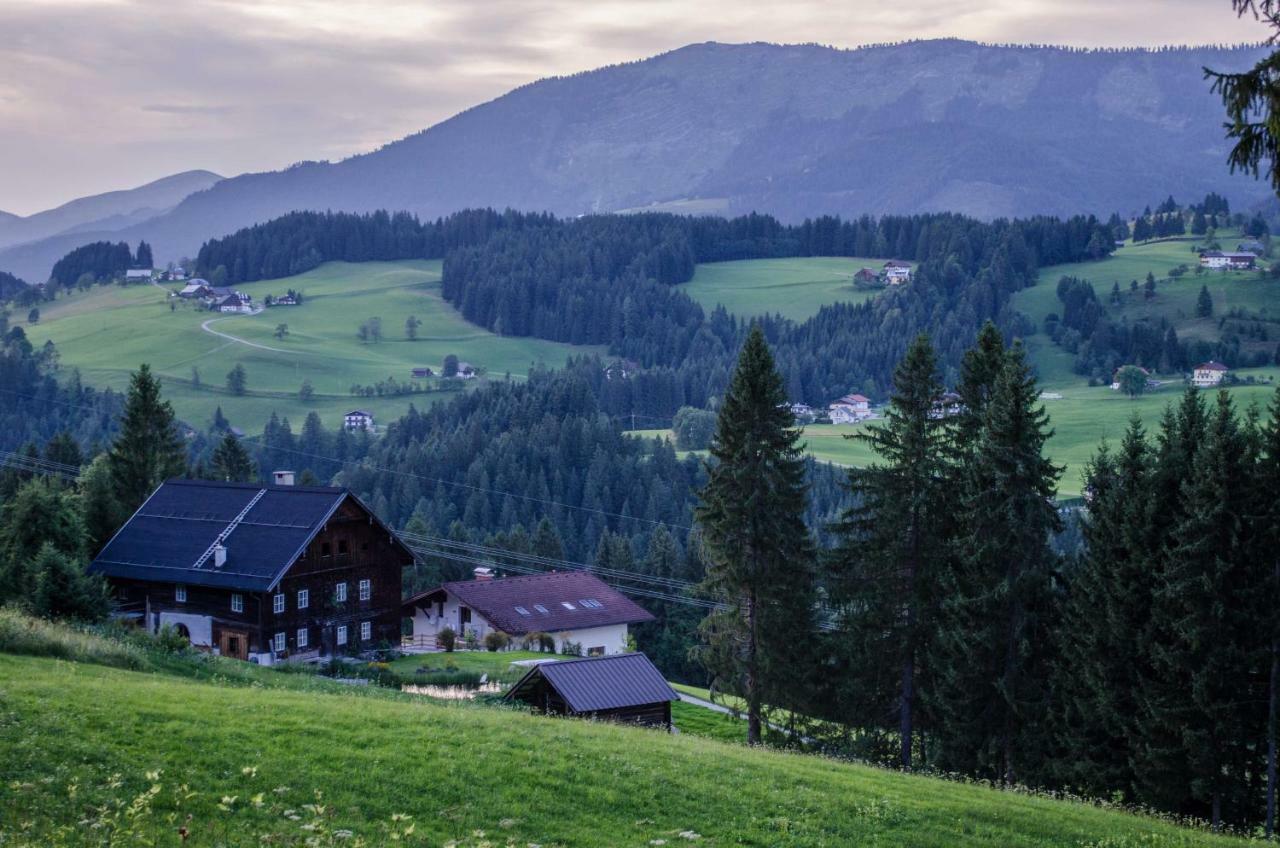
(108, 331)
(496, 664)
(143, 754)
(795, 288)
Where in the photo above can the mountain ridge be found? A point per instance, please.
(793, 130)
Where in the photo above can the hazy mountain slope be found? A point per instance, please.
(104, 212)
(793, 130)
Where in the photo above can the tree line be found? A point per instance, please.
(952, 635)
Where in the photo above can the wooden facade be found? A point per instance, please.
(544, 698)
(340, 594)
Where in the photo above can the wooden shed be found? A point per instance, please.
(624, 688)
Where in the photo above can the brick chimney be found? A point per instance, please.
(483, 574)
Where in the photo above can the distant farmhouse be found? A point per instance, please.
(850, 409)
(896, 273)
(866, 276)
(620, 369)
(234, 303)
(358, 419)
(802, 412)
(1215, 259)
(196, 289)
(258, 573)
(947, 405)
(1209, 373)
(138, 274)
(421, 372)
(570, 606)
(1252, 246)
(466, 371)
(625, 688)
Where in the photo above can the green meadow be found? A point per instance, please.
(109, 331)
(794, 288)
(107, 745)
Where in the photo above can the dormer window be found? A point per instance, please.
(567, 605)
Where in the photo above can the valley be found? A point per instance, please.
(110, 330)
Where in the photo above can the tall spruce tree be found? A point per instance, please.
(759, 551)
(1103, 634)
(883, 574)
(231, 463)
(1000, 602)
(148, 449)
(1267, 514)
(1208, 605)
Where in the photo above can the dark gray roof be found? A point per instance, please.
(167, 537)
(551, 603)
(602, 683)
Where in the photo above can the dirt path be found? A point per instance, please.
(205, 326)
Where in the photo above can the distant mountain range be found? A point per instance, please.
(792, 130)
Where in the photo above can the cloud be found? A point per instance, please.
(102, 94)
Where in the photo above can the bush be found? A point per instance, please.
(539, 641)
(496, 640)
(571, 649)
(448, 639)
(25, 634)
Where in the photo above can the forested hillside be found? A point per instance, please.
(614, 280)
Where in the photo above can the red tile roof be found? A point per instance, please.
(1212, 365)
(553, 602)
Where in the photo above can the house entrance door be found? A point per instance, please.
(234, 644)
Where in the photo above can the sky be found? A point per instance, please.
(97, 95)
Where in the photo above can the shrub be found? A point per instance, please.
(24, 634)
(539, 641)
(448, 639)
(571, 649)
(496, 640)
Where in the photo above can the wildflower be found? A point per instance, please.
(256, 800)
(342, 834)
(507, 823)
(184, 833)
(249, 771)
(690, 834)
(153, 776)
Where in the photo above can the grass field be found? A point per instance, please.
(98, 755)
(109, 331)
(795, 288)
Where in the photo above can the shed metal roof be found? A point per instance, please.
(602, 683)
(264, 529)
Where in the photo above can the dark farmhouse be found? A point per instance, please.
(258, 572)
(624, 688)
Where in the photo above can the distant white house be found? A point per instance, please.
(896, 273)
(358, 419)
(850, 409)
(1242, 261)
(138, 274)
(947, 405)
(466, 371)
(802, 411)
(1209, 373)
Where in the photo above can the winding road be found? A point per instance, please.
(205, 326)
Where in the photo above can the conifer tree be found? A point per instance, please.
(40, 513)
(999, 599)
(148, 449)
(62, 589)
(1103, 634)
(99, 505)
(759, 551)
(231, 463)
(979, 370)
(1267, 513)
(1206, 608)
(883, 574)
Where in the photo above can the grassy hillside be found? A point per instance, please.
(108, 331)
(95, 752)
(795, 288)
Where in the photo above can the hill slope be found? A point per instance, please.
(793, 130)
(250, 760)
(111, 211)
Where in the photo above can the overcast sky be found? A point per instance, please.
(97, 95)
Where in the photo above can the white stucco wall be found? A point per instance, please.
(201, 626)
(429, 623)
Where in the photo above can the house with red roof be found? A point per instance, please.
(573, 607)
(850, 409)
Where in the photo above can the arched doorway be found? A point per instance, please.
(181, 630)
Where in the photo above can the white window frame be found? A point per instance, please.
(340, 592)
(237, 602)
(366, 589)
(302, 638)
(304, 598)
(278, 644)
(366, 631)
(180, 594)
(277, 603)
(342, 634)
